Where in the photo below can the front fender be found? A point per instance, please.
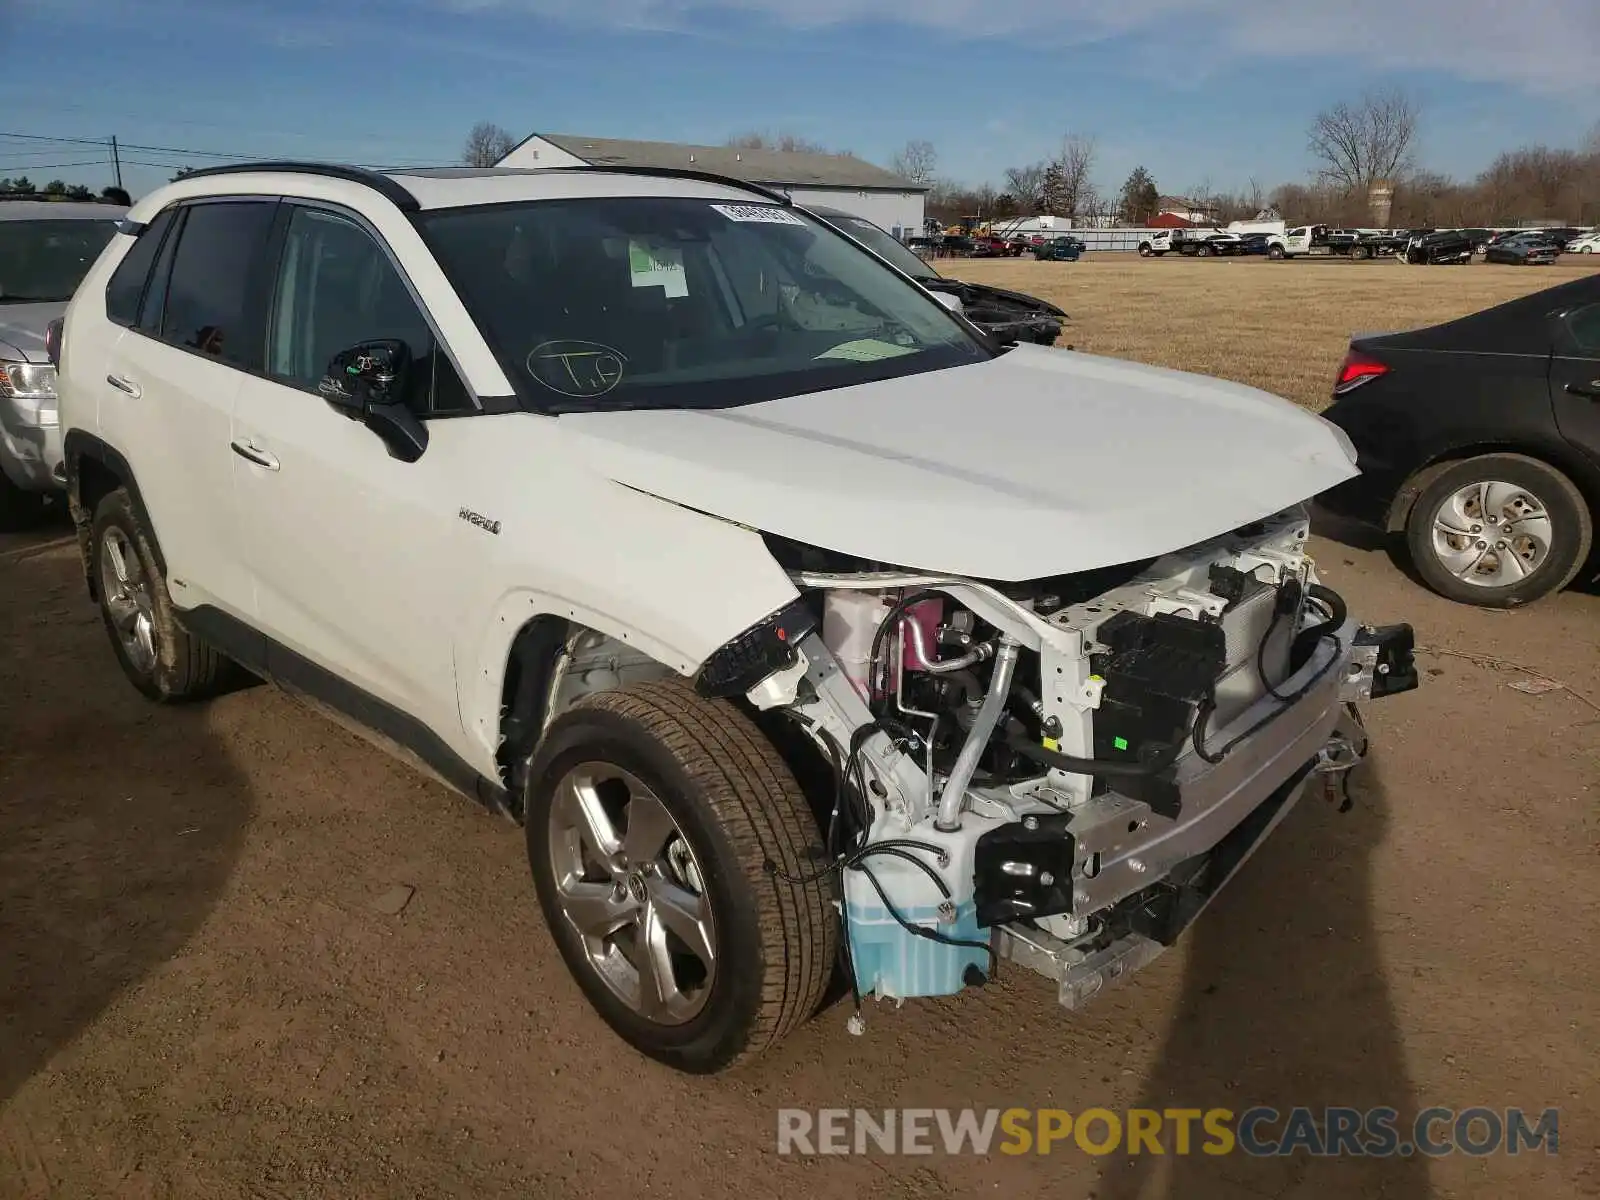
(675, 583)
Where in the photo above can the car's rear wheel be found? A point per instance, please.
(1203, 251)
(666, 837)
(1499, 531)
(19, 510)
(1144, 250)
(160, 658)
(1275, 253)
(1361, 253)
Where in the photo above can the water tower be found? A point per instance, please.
(1380, 202)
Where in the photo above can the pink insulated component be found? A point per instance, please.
(927, 616)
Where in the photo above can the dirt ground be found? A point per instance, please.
(206, 992)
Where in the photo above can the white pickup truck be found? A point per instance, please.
(1201, 243)
(1319, 241)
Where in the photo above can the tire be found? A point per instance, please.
(737, 807)
(1275, 253)
(1144, 250)
(1202, 251)
(19, 510)
(162, 659)
(1567, 531)
(1360, 253)
(1585, 249)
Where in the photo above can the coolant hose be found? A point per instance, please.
(954, 795)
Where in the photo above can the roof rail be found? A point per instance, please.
(681, 173)
(376, 180)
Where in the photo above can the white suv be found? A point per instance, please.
(794, 618)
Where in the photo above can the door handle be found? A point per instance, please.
(255, 454)
(1590, 389)
(123, 385)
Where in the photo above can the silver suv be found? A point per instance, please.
(46, 247)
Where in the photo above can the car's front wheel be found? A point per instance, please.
(1499, 531)
(160, 658)
(676, 861)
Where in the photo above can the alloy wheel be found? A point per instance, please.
(628, 882)
(128, 599)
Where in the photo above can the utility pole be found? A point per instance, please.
(116, 161)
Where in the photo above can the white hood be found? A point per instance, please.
(1039, 462)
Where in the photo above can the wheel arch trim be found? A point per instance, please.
(77, 446)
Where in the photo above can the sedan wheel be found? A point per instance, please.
(1499, 531)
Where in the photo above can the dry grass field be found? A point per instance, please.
(208, 991)
(1279, 326)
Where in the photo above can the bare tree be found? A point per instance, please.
(790, 143)
(1255, 196)
(1027, 185)
(1075, 163)
(486, 145)
(1368, 140)
(916, 162)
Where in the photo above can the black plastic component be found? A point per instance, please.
(1229, 582)
(1158, 670)
(766, 647)
(376, 180)
(1396, 668)
(1044, 851)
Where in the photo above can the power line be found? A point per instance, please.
(183, 151)
(93, 162)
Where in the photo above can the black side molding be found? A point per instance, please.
(262, 656)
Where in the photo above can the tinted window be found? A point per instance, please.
(209, 299)
(671, 302)
(155, 292)
(1584, 326)
(336, 288)
(44, 261)
(127, 281)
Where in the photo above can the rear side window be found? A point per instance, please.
(213, 301)
(1584, 325)
(126, 288)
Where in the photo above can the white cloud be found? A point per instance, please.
(1541, 45)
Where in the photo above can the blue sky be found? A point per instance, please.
(1199, 91)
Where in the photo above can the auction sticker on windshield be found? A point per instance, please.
(769, 213)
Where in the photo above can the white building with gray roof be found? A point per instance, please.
(835, 180)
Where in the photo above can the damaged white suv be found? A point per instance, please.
(802, 625)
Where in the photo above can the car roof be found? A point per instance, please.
(60, 210)
(423, 189)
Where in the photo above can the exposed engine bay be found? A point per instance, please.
(1060, 772)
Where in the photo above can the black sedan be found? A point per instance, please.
(1479, 440)
(1010, 316)
(1525, 250)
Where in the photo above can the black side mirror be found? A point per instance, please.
(368, 383)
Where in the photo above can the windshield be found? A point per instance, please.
(44, 261)
(631, 302)
(884, 245)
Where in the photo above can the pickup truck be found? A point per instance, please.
(1198, 243)
(1320, 241)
